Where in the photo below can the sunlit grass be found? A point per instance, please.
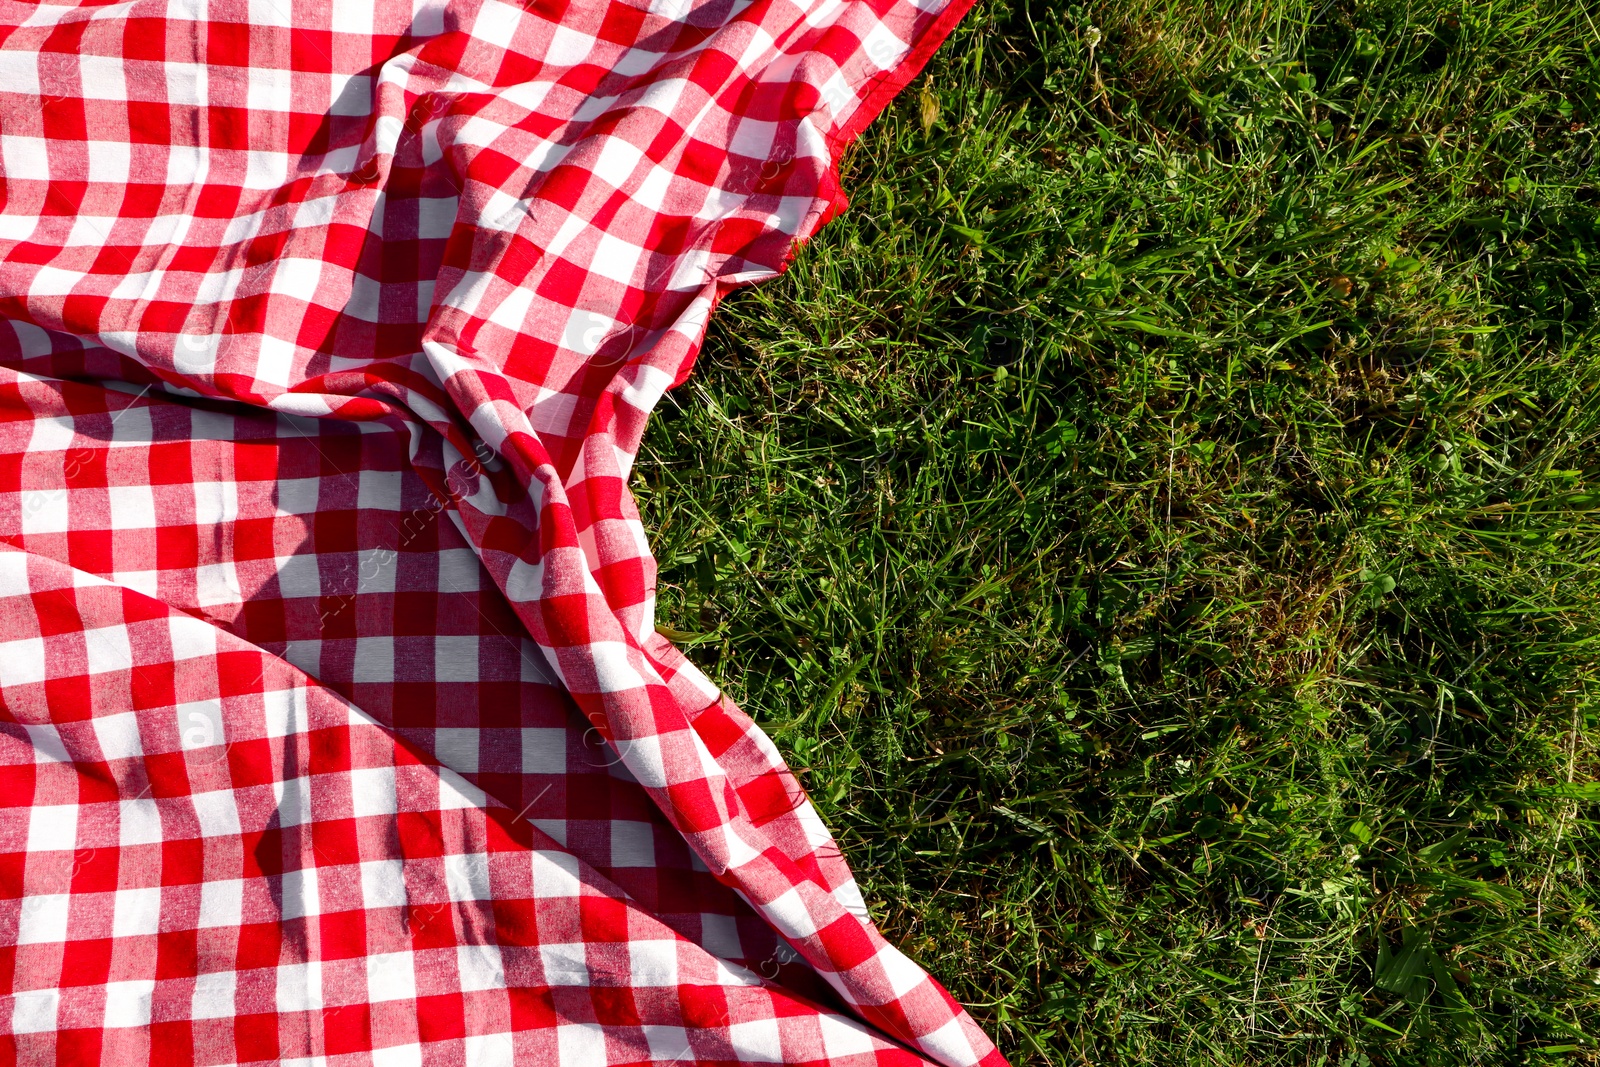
(1160, 523)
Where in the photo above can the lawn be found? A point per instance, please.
(1160, 522)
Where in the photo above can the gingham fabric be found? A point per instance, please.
(334, 726)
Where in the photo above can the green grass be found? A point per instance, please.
(1161, 524)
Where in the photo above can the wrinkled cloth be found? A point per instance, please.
(334, 724)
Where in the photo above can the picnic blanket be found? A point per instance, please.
(334, 724)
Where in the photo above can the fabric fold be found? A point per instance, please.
(334, 330)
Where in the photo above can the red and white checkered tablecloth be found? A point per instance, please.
(334, 726)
